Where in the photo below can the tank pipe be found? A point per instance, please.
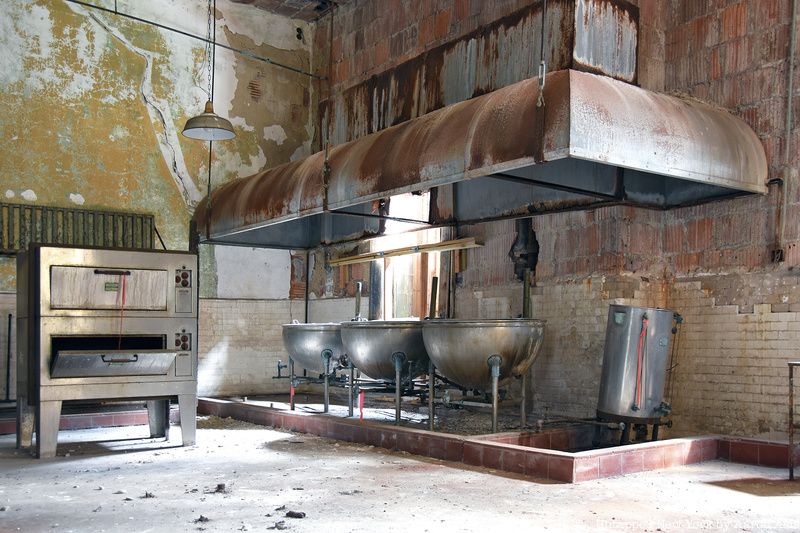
(350, 395)
(787, 141)
(434, 295)
(398, 358)
(494, 364)
(308, 283)
(431, 392)
(326, 360)
(291, 384)
(358, 300)
(199, 38)
(8, 360)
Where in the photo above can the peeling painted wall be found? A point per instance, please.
(93, 105)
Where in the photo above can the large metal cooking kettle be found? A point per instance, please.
(306, 342)
(371, 345)
(461, 349)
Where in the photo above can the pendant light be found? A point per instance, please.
(208, 126)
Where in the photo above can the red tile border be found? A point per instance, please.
(610, 465)
(529, 453)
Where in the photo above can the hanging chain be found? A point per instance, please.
(208, 51)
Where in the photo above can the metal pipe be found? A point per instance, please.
(326, 359)
(431, 391)
(526, 313)
(791, 420)
(523, 414)
(199, 38)
(434, 296)
(398, 358)
(291, 384)
(308, 283)
(8, 359)
(788, 132)
(358, 300)
(350, 391)
(494, 364)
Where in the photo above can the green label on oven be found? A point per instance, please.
(112, 286)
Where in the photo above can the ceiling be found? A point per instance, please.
(307, 10)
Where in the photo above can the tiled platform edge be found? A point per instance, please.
(93, 420)
(510, 452)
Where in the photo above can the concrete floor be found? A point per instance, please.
(103, 483)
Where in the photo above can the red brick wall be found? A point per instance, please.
(733, 54)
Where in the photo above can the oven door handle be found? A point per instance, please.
(108, 272)
(112, 359)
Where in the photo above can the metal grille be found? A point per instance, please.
(21, 225)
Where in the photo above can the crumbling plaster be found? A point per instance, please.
(93, 105)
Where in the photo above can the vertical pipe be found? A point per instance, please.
(523, 415)
(358, 300)
(398, 358)
(431, 391)
(291, 384)
(791, 421)
(434, 295)
(526, 313)
(326, 359)
(494, 365)
(308, 282)
(784, 205)
(350, 395)
(375, 295)
(8, 360)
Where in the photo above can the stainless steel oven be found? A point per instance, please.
(100, 324)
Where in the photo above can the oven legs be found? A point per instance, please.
(158, 417)
(187, 403)
(47, 428)
(26, 420)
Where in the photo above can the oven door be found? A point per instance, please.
(96, 364)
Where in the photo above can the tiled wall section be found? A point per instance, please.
(566, 375)
(240, 345)
(240, 341)
(731, 374)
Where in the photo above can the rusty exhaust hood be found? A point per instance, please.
(596, 141)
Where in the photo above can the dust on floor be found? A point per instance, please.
(244, 477)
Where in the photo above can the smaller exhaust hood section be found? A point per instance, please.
(596, 141)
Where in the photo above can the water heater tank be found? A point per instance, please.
(637, 350)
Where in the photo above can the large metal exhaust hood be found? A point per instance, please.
(596, 141)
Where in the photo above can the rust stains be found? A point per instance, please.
(491, 57)
(588, 117)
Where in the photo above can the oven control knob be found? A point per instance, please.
(177, 342)
(177, 279)
(184, 338)
(184, 346)
(185, 275)
(184, 283)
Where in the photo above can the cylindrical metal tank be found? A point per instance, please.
(635, 359)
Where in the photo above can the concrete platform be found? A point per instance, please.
(344, 487)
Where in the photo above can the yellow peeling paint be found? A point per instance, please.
(82, 117)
